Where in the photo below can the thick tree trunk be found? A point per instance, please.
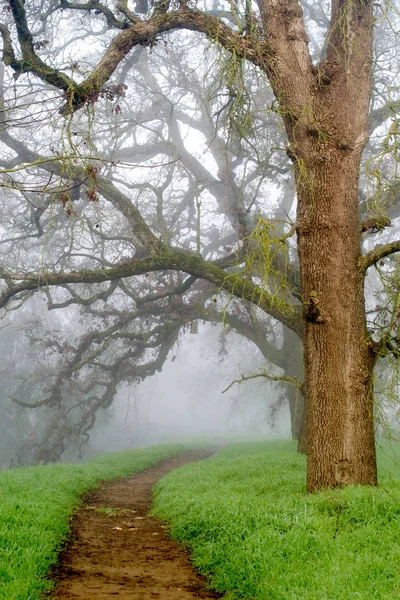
(337, 354)
(325, 110)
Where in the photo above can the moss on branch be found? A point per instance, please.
(252, 47)
(167, 259)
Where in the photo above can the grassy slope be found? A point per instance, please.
(35, 507)
(250, 525)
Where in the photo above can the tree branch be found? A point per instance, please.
(97, 6)
(380, 115)
(30, 62)
(284, 378)
(166, 259)
(252, 47)
(378, 253)
(290, 68)
(104, 186)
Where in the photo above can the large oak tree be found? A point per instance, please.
(324, 105)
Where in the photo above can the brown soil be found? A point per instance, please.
(117, 549)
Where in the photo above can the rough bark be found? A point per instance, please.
(338, 357)
(325, 111)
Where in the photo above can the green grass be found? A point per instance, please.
(254, 531)
(36, 504)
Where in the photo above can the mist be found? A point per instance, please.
(186, 398)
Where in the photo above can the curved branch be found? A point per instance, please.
(167, 259)
(252, 48)
(180, 289)
(98, 7)
(31, 62)
(76, 299)
(378, 253)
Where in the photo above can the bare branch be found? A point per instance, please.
(98, 7)
(105, 187)
(284, 378)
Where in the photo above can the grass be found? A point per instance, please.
(36, 504)
(254, 531)
(243, 513)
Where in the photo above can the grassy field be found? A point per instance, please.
(35, 507)
(254, 531)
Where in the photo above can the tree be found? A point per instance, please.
(324, 106)
(83, 374)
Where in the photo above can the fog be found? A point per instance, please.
(186, 399)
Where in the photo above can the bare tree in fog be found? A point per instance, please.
(176, 301)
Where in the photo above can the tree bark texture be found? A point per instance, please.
(338, 359)
(325, 111)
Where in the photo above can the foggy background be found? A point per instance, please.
(186, 398)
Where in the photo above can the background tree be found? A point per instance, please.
(177, 303)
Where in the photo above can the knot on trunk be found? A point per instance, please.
(311, 309)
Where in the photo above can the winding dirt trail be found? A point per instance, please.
(117, 550)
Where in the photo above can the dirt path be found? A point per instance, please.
(117, 550)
